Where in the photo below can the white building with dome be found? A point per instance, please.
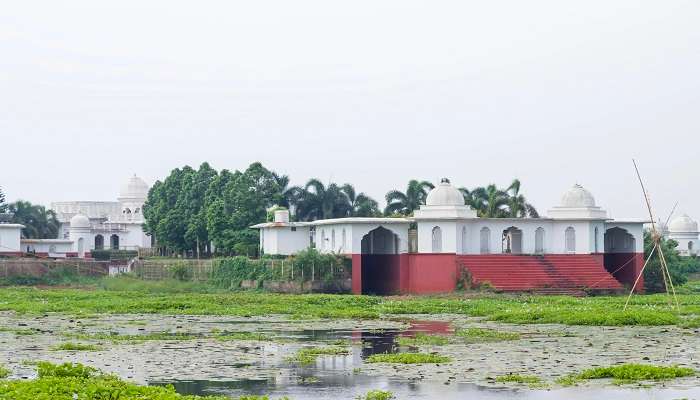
(576, 243)
(97, 225)
(683, 230)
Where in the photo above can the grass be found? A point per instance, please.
(179, 298)
(255, 336)
(409, 358)
(422, 339)
(20, 332)
(377, 395)
(533, 382)
(475, 335)
(628, 373)
(308, 355)
(4, 372)
(116, 337)
(70, 346)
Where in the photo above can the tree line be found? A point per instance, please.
(39, 222)
(191, 209)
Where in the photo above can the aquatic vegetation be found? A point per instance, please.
(76, 381)
(308, 355)
(20, 332)
(409, 358)
(158, 298)
(474, 335)
(117, 337)
(422, 339)
(626, 373)
(533, 382)
(256, 336)
(70, 346)
(4, 372)
(377, 395)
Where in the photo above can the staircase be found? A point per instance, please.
(548, 274)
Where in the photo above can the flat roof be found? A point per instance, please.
(45, 241)
(336, 221)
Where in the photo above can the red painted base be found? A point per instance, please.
(403, 273)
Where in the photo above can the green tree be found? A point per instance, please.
(235, 201)
(490, 201)
(677, 266)
(361, 205)
(405, 203)
(3, 205)
(518, 207)
(319, 201)
(39, 223)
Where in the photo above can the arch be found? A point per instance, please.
(323, 239)
(380, 264)
(344, 239)
(512, 241)
(465, 243)
(137, 210)
(332, 239)
(99, 242)
(114, 242)
(690, 245)
(437, 240)
(52, 249)
(570, 240)
(485, 240)
(619, 240)
(539, 240)
(127, 211)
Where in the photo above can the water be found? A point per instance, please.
(340, 377)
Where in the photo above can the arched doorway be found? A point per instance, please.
(99, 242)
(437, 240)
(81, 247)
(380, 262)
(512, 241)
(620, 258)
(114, 242)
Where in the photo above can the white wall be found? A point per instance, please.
(60, 247)
(683, 240)
(10, 238)
(281, 240)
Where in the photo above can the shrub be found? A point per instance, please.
(422, 339)
(629, 373)
(180, 271)
(308, 355)
(65, 370)
(4, 372)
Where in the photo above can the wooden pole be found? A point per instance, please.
(641, 273)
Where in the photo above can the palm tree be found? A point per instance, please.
(361, 205)
(322, 202)
(490, 202)
(3, 205)
(406, 203)
(518, 207)
(39, 223)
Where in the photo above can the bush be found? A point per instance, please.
(180, 271)
(65, 370)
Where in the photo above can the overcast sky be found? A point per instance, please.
(368, 92)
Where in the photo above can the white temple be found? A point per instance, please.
(89, 225)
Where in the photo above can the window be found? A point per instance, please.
(333, 240)
(485, 240)
(323, 239)
(294, 229)
(99, 242)
(464, 240)
(437, 240)
(539, 240)
(570, 239)
(344, 239)
(595, 239)
(114, 242)
(690, 246)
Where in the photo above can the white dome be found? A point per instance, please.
(661, 227)
(683, 224)
(577, 197)
(79, 221)
(444, 194)
(134, 188)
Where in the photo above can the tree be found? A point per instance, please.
(405, 203)
(39, 223)
(361, 205)
(653, 276)
(3, 205)
(490, 202)
(319, 201)
(518, 207)
(235, 201)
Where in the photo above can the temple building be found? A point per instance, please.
(683, 230)
(88, 225)
(576, 248)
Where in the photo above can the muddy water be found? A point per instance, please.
(208, 366)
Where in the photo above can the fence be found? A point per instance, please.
(37, 268)
(197, 270)
(291, 270)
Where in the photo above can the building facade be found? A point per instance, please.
(575, 245)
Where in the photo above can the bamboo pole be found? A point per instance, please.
(641, 273)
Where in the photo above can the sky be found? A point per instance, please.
(373, 93)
